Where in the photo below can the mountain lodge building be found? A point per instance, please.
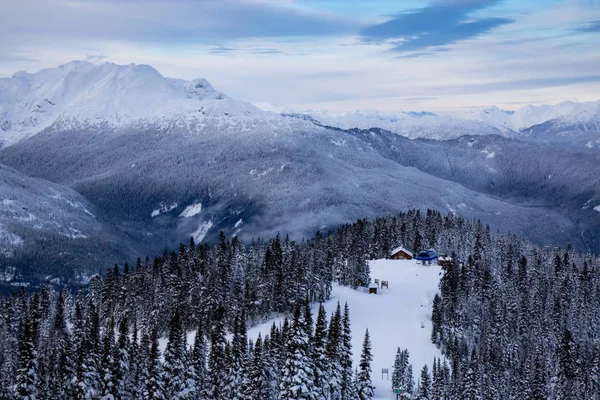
(400, 253)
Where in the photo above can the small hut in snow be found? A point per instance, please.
(373, 288)
(400, 253)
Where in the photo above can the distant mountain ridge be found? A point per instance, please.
(37, 216)
(412, 125)
(567, 113)
(82, 95)
(563, 117)
(160, 160)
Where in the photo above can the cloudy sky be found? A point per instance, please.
(391, 55)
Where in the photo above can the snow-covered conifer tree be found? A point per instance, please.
(215, 380)
(364, 385)
(347, 387)
(297, 381)
(152, 374)
(27, 379)
(174, 360)
(424, 389)
(319, 354)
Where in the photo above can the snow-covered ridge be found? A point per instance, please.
(565, 113)
(32, 208)
(479, 121)
(81, 94)
(410, 124)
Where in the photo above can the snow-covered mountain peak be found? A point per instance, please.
(82, 94)
(566, 113)
(76, 64)
(410, 124)
(493, 116)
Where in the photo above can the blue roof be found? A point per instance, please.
(427, 255)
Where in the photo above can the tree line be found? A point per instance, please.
(505, 305)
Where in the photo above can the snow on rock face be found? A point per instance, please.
(237, 228)
(163, 208)
(191, 210)
(489, 154)
(201, 232)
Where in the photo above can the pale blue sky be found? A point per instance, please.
(441, 55)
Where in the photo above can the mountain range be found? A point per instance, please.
(570, 124)
(117, 161)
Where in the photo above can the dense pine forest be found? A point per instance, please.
(513, 320)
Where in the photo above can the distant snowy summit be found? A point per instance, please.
(81, 96)
(409, 124)
(552, 119)
(565, 115)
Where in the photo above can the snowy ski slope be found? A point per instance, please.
(393, 317)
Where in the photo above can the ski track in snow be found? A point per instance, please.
(393, 317)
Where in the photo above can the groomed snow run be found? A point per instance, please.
(393, 316)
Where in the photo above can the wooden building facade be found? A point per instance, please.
(400, 253)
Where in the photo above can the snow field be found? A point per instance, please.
(191, 210)
(393, 317)
(398, 316)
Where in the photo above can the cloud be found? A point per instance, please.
(331, 57)
(166, 21)
(95, 57)
(222, 50)
(241, 50)
(432, 52)
(266, 51)
(439, 24)
(414, 99)
(520, 84)
(591, 27)
(329, 74)
(16, 57)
